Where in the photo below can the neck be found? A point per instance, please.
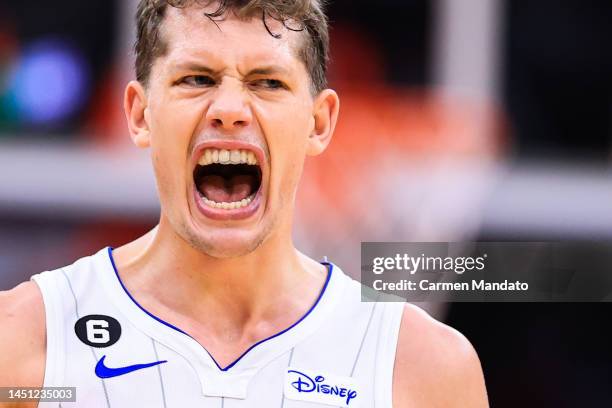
(273, 283)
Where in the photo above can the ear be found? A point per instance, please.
(325, 114)
(136, 112)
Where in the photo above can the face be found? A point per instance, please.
(229, 117)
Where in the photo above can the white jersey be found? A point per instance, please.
(117, 354)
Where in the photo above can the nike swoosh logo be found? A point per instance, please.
(103, 371)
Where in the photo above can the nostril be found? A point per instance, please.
(237, 123)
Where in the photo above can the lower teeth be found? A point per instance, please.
(228, 206)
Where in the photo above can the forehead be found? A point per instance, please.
(188, 32)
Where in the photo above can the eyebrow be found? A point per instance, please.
(197, 67)
(268, 70)
(191, 66)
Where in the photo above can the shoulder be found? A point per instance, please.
(435, 365)
(23, 340)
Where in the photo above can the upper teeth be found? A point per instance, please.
(227, 157)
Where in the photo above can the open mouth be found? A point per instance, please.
(227, 179)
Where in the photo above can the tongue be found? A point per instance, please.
(222, 190)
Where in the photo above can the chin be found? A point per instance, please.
(226, 243)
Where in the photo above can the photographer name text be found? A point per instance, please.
(426, 285)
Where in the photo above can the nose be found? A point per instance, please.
(229, 109)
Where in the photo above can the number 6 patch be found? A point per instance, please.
(98, 330)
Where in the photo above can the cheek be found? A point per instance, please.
(175, 123)
(171, 135)
(287, 131)
(163, 176)
(288, 141)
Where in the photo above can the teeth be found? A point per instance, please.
(227, 157)
(228, 206)
(224, 156)
(235, 156)
(251, 158)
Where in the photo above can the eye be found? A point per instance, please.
(197, 80)
(269, 84)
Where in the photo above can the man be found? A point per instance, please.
(215, 307)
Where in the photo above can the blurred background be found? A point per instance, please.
(460, 120)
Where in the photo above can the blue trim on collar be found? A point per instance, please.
(329, 274)
(110, 255)
(331, 267)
